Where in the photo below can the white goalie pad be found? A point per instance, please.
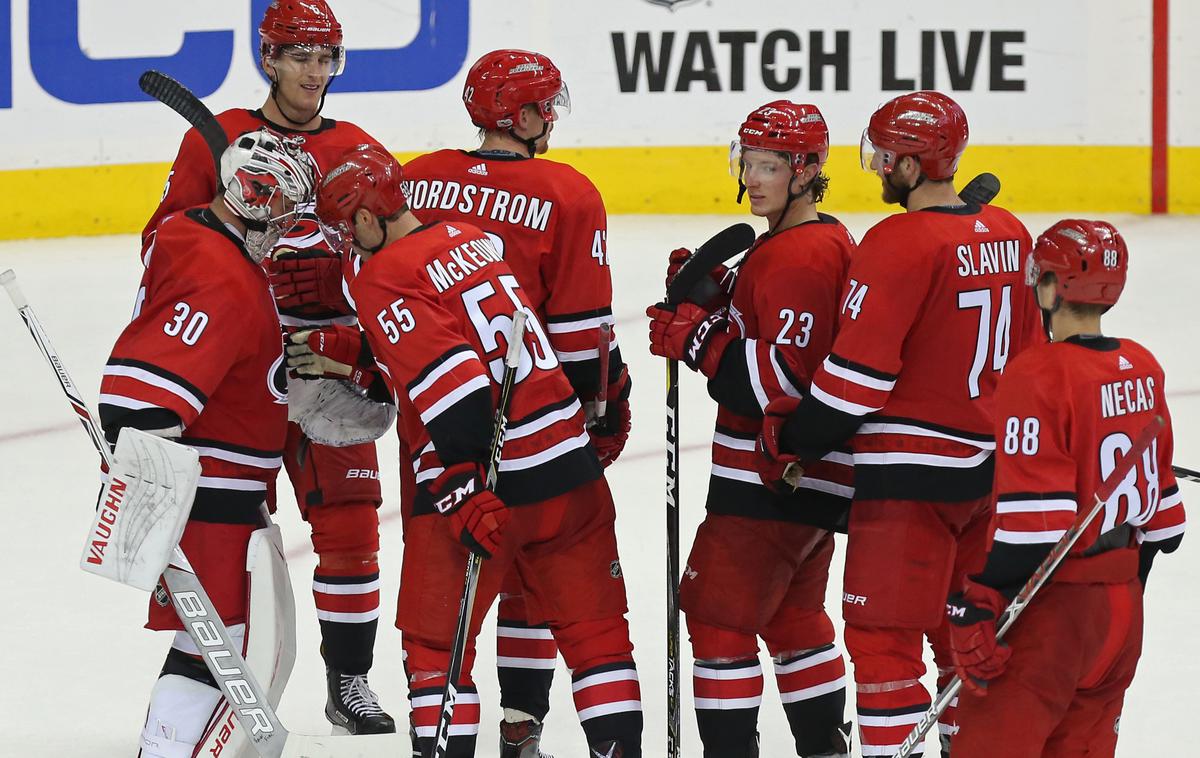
(270, 646)
(143, 509)
(337, 413)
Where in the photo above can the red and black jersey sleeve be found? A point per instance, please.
(578, 280)
(185, 334)
(450, 393)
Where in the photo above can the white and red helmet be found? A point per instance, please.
(260, 166)
(306, 24)
(504, 81)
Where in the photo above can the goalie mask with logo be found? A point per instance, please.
(265, 178)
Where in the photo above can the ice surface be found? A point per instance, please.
(78, 668)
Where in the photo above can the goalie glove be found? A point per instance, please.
(688, 333)
(474, 511)
(332, 352)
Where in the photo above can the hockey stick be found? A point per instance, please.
(237, 683)
(180, 99)
(1186, 474)
(1040, 576)
(981, 190)
(723, 246)
(441, 737)
(604, 345)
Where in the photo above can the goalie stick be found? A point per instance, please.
(723, 246)
(180, 99)
(237, 683)
(466, 606)
(1039, 578)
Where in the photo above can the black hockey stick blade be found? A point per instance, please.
(724, 245)
(981, 190)
(180, 99)
(1186, 474)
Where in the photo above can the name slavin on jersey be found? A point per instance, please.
(1129, 396)
(484, 202)
(999, 257)
(454, 265)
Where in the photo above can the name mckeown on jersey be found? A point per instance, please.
(452, 293)
(553, 234)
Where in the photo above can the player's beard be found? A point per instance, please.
(894, 194)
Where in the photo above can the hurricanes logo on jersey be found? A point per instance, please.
(277, 383)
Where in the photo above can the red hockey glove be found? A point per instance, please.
(336, 352)
(776, 467)
(610, 432)
(309, 281)
(715, 292)
(688, 333)
(474, 511)
(977, 656)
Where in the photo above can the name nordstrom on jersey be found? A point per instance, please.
(484, 202)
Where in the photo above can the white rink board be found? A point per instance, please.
(1083, 69)
(78, 669)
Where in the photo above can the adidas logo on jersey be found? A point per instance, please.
(451, 231)
(479, 168)
(980, 227)
(1123, 363)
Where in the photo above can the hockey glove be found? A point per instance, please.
(305, 282)
(610, 432)
(709, 293)
(332, 352)
(474, 511)
(977, 656)
(776, 467)
(688, 333)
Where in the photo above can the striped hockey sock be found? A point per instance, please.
(525, 659)
(728, 696)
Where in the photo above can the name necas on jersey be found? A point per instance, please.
(192, 181)
(934, 307)
(437, 309)
(204, 351)
(784, 310)
(548, 223)
(1065, 413)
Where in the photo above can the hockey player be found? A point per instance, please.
(933, 307)
(764, 342)
(441, 298)
(1065, 412)
(548, 222)
(337, 488)
(203, 354)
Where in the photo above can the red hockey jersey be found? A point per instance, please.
(934, 307)
(204, 347)
(784, 311)
(548, 222)
(437, 309)
(1065, 412)
(192, 181)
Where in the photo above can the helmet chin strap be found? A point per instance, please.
(530, 143)
(792, 196)
(383, 240)
(291, 121)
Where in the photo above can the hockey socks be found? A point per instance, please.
(608, 699)
(727, 697)
(426, 700)
(348, 610)
(812, 686)
(525, 659)
(887, 712)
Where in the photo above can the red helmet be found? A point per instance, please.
(926, 125)
(1089, 259)
(503, 81)
(366, 176)
(301, 22)
(796, 129)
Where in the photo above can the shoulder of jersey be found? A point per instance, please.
(994, 215)
(237, 121)
(1134, 355)
(187, 245)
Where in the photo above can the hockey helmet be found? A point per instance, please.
(1089, 259)
(926, 125)
(794, 129)
(366, 176)
(503, 81)
(308, 24)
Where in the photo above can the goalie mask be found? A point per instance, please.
(264, 179)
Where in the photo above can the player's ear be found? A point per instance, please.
(268, 68)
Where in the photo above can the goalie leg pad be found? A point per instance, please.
(185, 703)
(346, 582)
(217, 552)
